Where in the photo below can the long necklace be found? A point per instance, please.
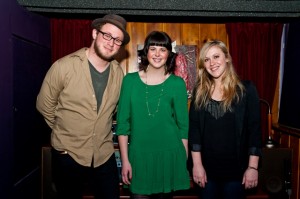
(158, 101)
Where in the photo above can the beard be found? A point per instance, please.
(102, 55)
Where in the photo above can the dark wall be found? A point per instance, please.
(6, 97)
(289, 114)
(25, 58)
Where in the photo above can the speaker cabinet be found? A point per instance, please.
(276, 171)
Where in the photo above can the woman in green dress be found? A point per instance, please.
(152, 123)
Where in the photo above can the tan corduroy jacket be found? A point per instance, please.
(68, 103)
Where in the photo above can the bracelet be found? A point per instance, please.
(249, 167)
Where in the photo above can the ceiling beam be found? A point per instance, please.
(172, 8)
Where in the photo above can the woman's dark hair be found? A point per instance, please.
(157, 38)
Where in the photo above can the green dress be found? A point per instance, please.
(156, 152)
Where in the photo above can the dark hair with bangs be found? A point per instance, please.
(157, 38)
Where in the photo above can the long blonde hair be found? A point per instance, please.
(230, 80)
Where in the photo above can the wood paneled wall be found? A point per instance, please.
(182, 33)
(285, 140)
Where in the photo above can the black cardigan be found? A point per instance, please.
(247, 122)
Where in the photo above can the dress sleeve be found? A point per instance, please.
(253, 120)
(180, 104)
(124, 108)
(47, 98)
(194, 128)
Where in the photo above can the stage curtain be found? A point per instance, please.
(69, 35)
(255, 50)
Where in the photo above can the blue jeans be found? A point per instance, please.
(223, 190)
(71, 178)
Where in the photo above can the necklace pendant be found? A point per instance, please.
(158, 101)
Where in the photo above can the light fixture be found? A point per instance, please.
(270, 143)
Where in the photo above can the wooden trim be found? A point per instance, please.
(286, 130)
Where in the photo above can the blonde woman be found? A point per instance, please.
(224, 132)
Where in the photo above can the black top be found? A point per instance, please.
(219, 156)
(227, 136)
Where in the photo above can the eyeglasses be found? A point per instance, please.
(108, 37)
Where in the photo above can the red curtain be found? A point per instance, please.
(69, 35)
(255, 50)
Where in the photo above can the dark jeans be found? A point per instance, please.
(71, 178)
(223, 190)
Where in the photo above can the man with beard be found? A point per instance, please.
(78, 98)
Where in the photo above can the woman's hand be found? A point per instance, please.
(250, 179)
(199, 175)
(126, 172)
